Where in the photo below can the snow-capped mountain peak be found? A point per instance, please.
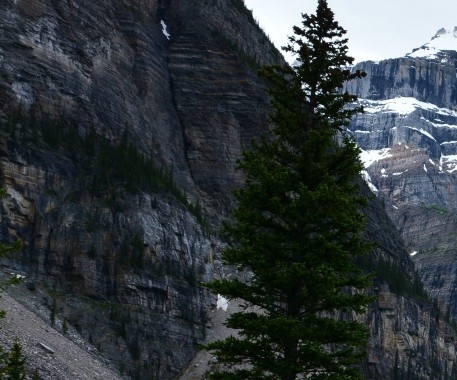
(443, 40)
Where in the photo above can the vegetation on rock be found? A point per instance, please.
(15, 363)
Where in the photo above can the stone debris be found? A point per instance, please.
(54, 355)
(46, 348)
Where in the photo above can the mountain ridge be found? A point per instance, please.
(443, 41)
(408, 141)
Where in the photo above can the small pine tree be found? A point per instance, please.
(396, 369)
(64, 327)
(3, 359)
(15, 363)
(52, 315)
(36, 375)
(298, 225)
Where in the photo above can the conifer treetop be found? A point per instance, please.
(298, 226)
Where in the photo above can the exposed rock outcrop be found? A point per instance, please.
(176, 82)
(408, 136)
(92, 91)
(431, 81)
(48, 352)
(408, 337)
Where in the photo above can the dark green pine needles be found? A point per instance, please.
(298, 225)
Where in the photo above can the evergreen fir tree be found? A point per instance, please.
(298, 225)
(15, 363)
(396, 369)
(52, 315)
(3, 359)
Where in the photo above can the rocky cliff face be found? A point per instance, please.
(120, 125)
(147, 68)
(175, 83)
(408, 337)
(428, 80)
(408, 136)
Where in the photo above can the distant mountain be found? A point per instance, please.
(408, 135)
(443, 41)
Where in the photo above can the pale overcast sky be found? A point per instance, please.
(377, 29)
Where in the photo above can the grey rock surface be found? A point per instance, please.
(408, 136)
(126, 268)
(47, 350)
(189, 100)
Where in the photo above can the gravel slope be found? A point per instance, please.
(53, 354)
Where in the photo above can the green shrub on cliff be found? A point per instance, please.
(105, 167)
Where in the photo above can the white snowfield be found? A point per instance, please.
(368, 157)
(404, 106)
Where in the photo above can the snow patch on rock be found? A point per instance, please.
(164, 29)
(424, 132)
(368, 157)
(443, 40)
(367, 179)
(402, 106)
(222, 303)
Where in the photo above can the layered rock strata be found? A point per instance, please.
(408, 135)
(169, 85)
(176, 82)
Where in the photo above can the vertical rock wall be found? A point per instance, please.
(175, 80)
